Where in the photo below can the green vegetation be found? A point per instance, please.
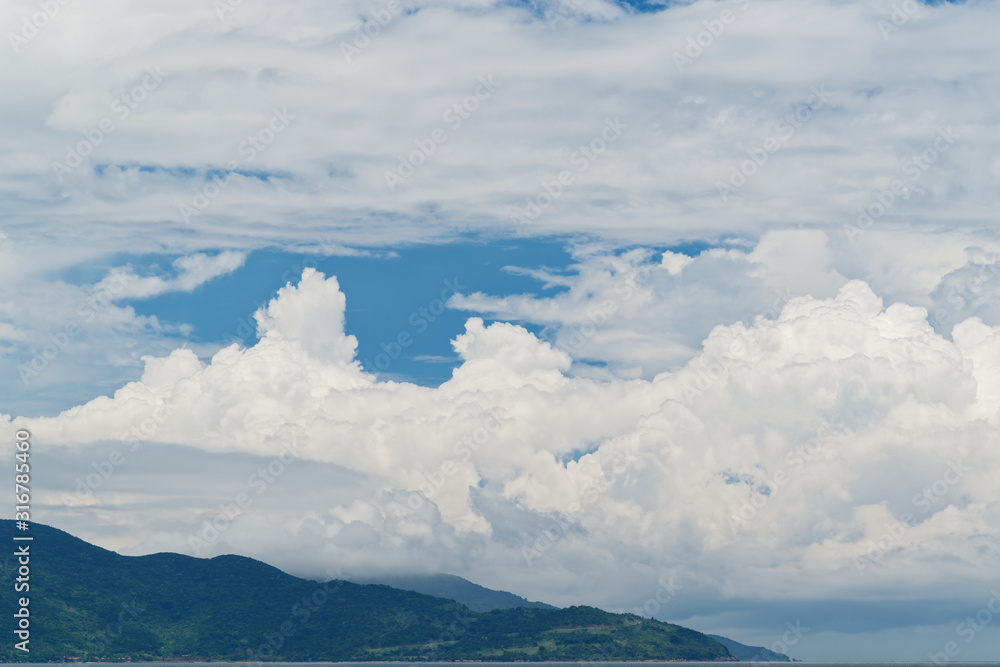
(750, 653)
(93, 604)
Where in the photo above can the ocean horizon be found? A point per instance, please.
(896, 663)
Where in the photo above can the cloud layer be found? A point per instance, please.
(756, 412)
(256, 117)
(857, 445)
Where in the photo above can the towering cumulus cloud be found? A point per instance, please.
(760, 465)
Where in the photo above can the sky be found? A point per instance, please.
(687, 309)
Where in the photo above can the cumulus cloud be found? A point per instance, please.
(518, 468)
(638, 313)
(211, 85)
(311, 314)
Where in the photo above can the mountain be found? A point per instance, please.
(480, 598)
(450, 587)
(89, 603)
(752, 653)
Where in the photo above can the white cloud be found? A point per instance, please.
(799, 258)
(634, 366)
(321, 180)
(65, 342)
(192, 272)
(785, 496)
(675, 262)
(686, 130)
(311, 314)
(639, 317)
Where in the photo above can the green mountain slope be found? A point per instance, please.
(90, 603)
(480, 598)
(450, 587)
(751, 653)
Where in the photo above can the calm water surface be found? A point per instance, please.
(547, 664)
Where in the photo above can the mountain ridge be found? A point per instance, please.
(480, 598)
(453, 587)
(750, 653)
(89, 603)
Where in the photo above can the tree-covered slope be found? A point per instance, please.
(90, 603)
(750, 653)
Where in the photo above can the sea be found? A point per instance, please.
(651, 663)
